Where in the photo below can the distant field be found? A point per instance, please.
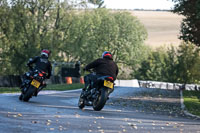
(162, 27)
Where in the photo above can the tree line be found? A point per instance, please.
(73, 35)
(175, 65)
(27, 26)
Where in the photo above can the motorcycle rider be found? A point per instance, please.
(41, 63)
(104, 66)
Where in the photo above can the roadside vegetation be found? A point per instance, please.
(71, 34)
(63, 87)
(56, 87)
(82, 35)
(192, 101)
(175, 65)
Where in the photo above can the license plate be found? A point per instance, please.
(108, 84)
(35, 83)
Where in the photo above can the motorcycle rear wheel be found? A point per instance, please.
(28, 94)
(81, 103)
(99, 103)
(21, 97)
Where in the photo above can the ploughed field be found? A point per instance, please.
(163, 27)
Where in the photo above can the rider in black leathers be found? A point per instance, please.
(104, 66)
(41, 63)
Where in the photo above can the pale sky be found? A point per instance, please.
(140, 4)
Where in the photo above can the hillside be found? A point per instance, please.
(162, 27)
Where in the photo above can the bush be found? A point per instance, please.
(176, 65)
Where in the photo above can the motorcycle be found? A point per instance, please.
(32, 84)
(98, 94)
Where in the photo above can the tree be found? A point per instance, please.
(180, 65)
(93, 32)
(99, 3)
(188, 70)
(26, 27)
(190, 27)
(153, 68)
(171, 62)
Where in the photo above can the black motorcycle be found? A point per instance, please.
(32, 84)
(98, 94)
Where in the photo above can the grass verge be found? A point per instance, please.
(57, 87)
(63, 87)
(192, 101)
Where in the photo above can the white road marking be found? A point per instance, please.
(46, 92)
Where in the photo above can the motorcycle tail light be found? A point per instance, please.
(111, 78)
(40, 74)
(43, 72)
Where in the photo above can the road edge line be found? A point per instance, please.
(41, 93)
(56, 92)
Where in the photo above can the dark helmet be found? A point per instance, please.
(107, 54)
(45, 53)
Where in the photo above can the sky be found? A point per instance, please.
(139, 4)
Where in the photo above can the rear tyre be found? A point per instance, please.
(99, 103)
(28, 94)
(81, 102)
(21, 96)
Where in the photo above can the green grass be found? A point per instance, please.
(192, 102)
(63, 87)
(9, 89)
(58, 87)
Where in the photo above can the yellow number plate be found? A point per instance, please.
(108, 84)
(35, 83)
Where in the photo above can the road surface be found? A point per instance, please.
(58, 112)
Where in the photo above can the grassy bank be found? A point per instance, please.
(63, 87)
(58, 87)
(192, 102)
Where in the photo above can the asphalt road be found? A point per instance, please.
(58, 112)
